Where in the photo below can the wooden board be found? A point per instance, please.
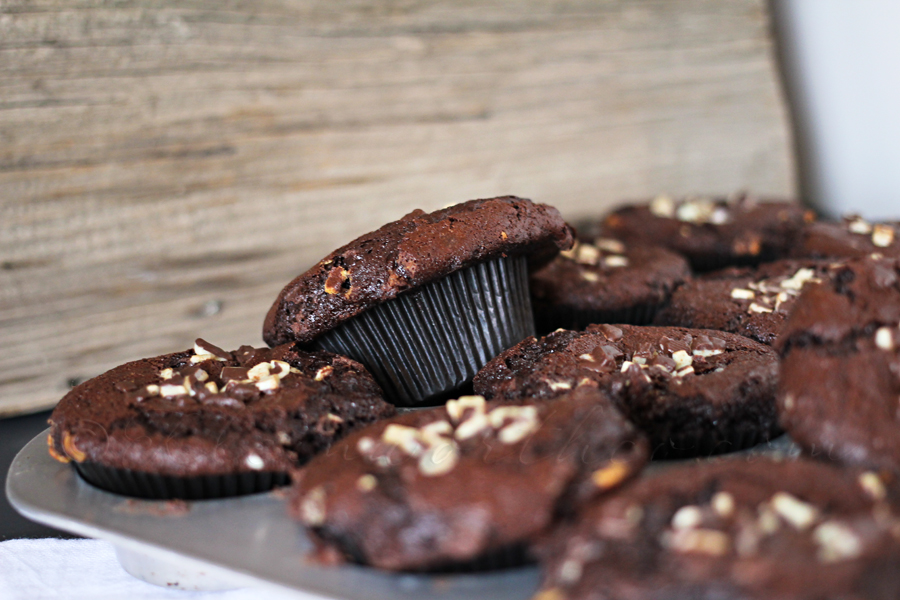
(166, 166)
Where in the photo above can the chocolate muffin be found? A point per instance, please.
(732, 530)
(712, 233)
(425, 301)
(840, 371)
(209, 423)
(853, 237)
(693, 391)
(753, 302)
(464, 486)
(605, 281)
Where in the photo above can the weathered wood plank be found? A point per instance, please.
(166, 166)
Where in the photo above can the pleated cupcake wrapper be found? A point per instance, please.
(151, 486)
(709, 444)
(425, 346)
(553, 318)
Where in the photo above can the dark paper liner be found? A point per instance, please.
(712, 443)
(425, 346)
(151, 486)
(549, 319)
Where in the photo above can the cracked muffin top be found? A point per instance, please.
(840, 367)
(733, 529)
(408, 253)
(207, 411)
(451, 484)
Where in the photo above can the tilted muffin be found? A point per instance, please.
(693, 391)
(605, 281)
(750, 301)
(840, 369)
(732, 530)
(425, 301)
(712, 233)
(207, 423)
(466, 485)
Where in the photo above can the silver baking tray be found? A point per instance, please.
(247, 541)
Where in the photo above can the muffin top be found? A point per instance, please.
(402, 255)
(862, 295)
(208, 411)
(751, 301)
(853, 237)
(693, 391)
(451, 484)
(840, 370)
(605, 275)
(733, 530)
(712, 233)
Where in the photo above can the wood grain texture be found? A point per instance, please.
(166, 166)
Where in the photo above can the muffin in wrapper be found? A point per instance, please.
(424, 302)
(605, 281)
(425, 346)
(209, 423)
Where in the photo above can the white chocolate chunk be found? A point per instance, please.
(682, 359)
(799, 279)
(169, 390)
(438, 460)
(475, 424)
(756, 308)
(610, 245)
(500, 415)
(723, 504)
(517, 431)
(199, 358)
(687, 517)
(312, 508)
(456, 408)
(707, 353)
(872, 485)
(267, 384)
(365, 445)
(701, 541)
(663, 206)
(405, 438)
(860, 226)
(615, 261)
(796, 512)
(884, 338)
(882, 236)
(587, 254)
(836, 542)
(366, 483)
(258, 372)
(742, 294)
(685, 371)
(255, 462)
(324, 372)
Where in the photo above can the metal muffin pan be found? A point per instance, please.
(247, 541)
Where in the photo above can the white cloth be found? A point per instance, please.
(88, 570)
